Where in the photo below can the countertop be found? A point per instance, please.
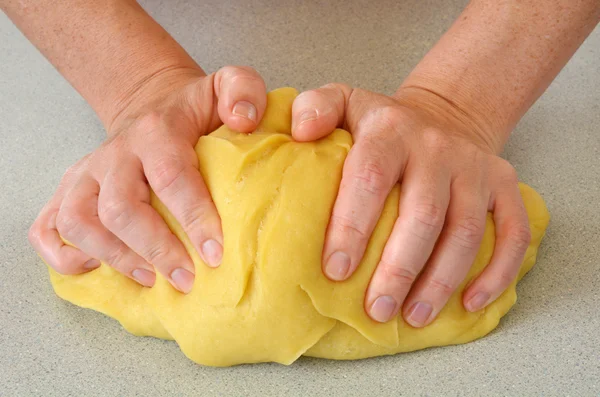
(548, 344)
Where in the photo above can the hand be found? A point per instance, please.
(451, 177)
(102, 204)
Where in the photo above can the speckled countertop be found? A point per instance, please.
(548, 344)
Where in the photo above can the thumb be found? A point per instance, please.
(316, 113)
(242, 97)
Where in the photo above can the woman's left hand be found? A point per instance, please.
(451, 177)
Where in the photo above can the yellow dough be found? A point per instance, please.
(269, 301)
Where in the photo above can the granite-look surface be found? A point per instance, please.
(549, 344)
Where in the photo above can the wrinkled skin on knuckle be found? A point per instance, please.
(519, 237)
(116, 256)
(398, 276)
(157, 251)
(114, 212)
(445, 287)
(193, 218)
(467, 232)
(428, 218)
(371, 177)
(344, 226)
(503, 279)
(165, 172)
(71, 224)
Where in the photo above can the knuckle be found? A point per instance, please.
(34, 233)
(150, 121)
(308, 99)
(63, 267)
(371, 178)
(505, 278)
(429, 217)
(229, 70)
(71, 224)
(520, 237)
(435, 140)
(389, 117)
(116, 256)
(338, 89)
(235, 74)
(399, 275)
(446, 287)
(344, 226)
(509, 173)
(336, 86)
(467, 232)
(71, 173)
(114, 212)
(246, 70)
(72, 170)
(157, 252)
(164, 173)
(194, 219)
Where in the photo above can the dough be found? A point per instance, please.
(269, 301)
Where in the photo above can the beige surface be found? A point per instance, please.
(548, 344)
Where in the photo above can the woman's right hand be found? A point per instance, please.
(102, 205)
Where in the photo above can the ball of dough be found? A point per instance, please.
(269, 300)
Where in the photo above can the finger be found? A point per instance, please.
(370, 171)
(173, 175)
(454, 254)
(78, 222)
(513, 236)
(422, 208)
(124, 209)
(316, 113)
(242, 97)
(45, 239)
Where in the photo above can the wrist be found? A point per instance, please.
(147, 92)
(453, 110)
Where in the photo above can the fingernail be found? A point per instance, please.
(337, 266)
(478, 301)
(91, 264)
(212, 252)
(383, 308)
(419, 314)
(245, 109)
(183, 280)
(144, 277)
(307, 115)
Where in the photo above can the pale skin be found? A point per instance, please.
(439, 135)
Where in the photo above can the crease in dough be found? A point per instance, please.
(269, 301)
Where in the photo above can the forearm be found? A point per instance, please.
(500, 56)
(106, 49)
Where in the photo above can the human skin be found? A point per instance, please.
(155, 102)
(465, 97)
(440, 135)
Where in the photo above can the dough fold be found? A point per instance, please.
(269, 301)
